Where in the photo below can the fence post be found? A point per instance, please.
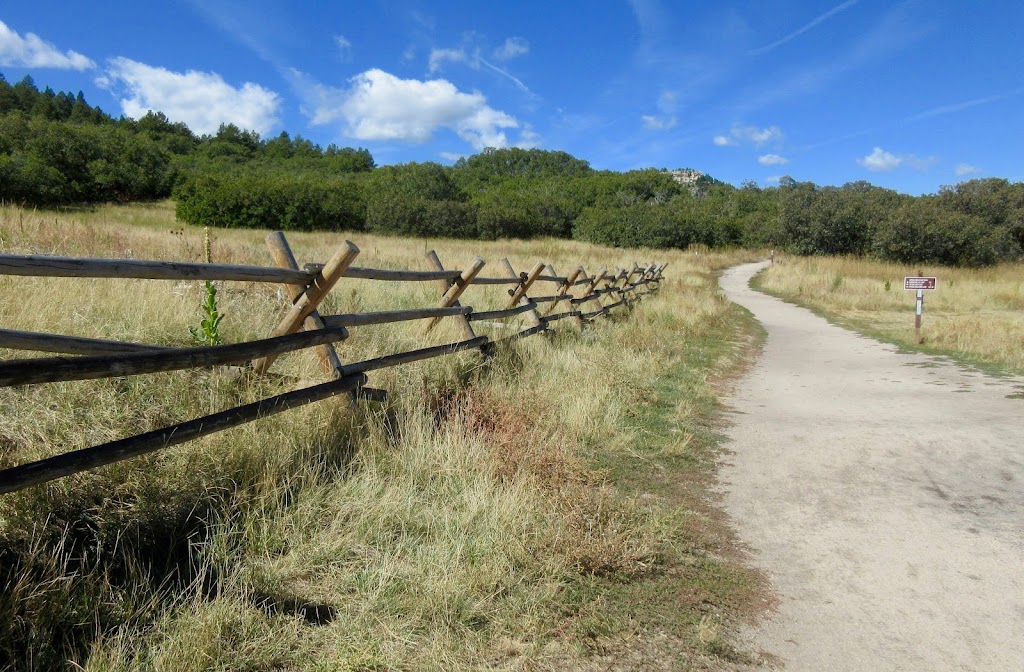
(283, 258)
(453, 290)
(630, 290)
(590, 290)
(311, 296)
(656, 276)
(518, 295)
(563, 288)
(622, 292)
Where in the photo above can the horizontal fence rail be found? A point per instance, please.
(60, 369)
(67, 267)
(581, 296)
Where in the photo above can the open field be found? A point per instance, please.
(975, 315)
(511, 514)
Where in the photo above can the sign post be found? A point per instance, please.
(919, 283)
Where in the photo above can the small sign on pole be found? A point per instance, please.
(919, 283)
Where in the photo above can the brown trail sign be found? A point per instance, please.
(920, 283)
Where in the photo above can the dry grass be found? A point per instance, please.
(976, 315)
(453, 527)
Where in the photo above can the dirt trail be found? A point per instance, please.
(883, 494)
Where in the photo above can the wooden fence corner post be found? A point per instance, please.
(311, 296)
(283, 257)
(589, 296)
(518, 295)
(562, 288)
(453, 290)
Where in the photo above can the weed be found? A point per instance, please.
(888, 285)
(208, 332)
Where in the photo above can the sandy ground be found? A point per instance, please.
(882, 493)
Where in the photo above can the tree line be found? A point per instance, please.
(56, 150)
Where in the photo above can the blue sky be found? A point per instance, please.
(908, 95)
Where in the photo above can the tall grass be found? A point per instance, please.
(455, 526)
(974, 314)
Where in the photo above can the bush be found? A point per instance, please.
(245, 199)
(418, 199)
(921, 231)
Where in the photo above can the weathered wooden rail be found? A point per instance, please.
(301, 327)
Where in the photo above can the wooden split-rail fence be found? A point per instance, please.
(581, 296)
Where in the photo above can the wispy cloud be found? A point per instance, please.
(32, 51)
(897, 30)
(257, 31)
(963, 169)
(650, 16)
(528, 138)
(772, 160)
(803, 29)
(881, 161)
(667, 105)
(659, 123)
(509, 76)
(438, 57)
(473, 59)
(202, 100)
(344, 47)
(964, 105)
(512, 48)
(749, 135)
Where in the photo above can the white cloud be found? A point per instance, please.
(880, 160)
(513, 47)
(380, 106)
(32, 51)
(438, 57)
(749, 135)
(772, 160)
(203, 100)
(773, 179)
(450, 156)
(966, 169)
(659, 124)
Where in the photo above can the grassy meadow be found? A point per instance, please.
(548, 508)
(975, 315)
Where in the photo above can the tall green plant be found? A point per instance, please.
(208, 331)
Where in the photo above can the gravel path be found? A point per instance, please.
(882, 493)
